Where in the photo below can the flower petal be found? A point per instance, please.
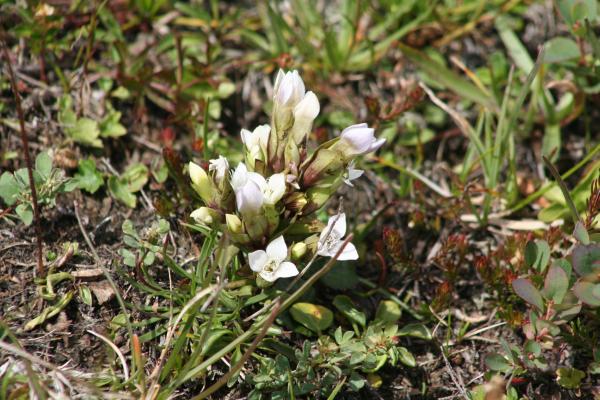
(268, 276)
(349, 252)
(286, 269)
(257, 260)
(275, 188)
(357, 139)
(246, 137)
(239, 177)
(340, 224)
(249, 198)
(277, 249)
(324, 251)
(376, 145)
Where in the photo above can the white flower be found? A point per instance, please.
(220, 166)
(274, 188)
(270, 264)
(289, 89)
(248, 193)
(202, 215)
(305, 113)
(331, 240)
(359, 139)
(252, 190)
(256, 141)
(352, 174)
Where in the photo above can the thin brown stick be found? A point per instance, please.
(25, 142)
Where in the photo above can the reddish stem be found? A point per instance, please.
(25, 141)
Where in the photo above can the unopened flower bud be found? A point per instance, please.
(325, 163)
(295, 202)
(357, 140)
(289, 89)
(299, 250)
(201, 182)
(234, 224)
(305, 113)
(204, 215)
(220, 167)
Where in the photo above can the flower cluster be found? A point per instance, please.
(278, 187)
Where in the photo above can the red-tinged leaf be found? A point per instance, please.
(556, 284)
(587, 292)
(525, 290)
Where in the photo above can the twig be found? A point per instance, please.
(25, 142)
(85, 234)
(456, 379)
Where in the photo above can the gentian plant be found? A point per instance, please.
(269, 200)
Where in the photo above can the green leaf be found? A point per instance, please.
(551, 141)
(85, 131)
(110, 125)
(581, 234)
(388, 311)
(569, 378)
(25, 212)
(344, 305)
(553, 212)
(533, 347)
(9, 188)
(406, 357)
(525, 290)
(225, 90)
(556, 284)
(86, 294)
(497, 362)
(560, 49)
(586, 259)
(314, 317)
(356, 382)
(415, 330)
(341, 277)
(87, 177)
(135, 176)
(43, 165)
(49, 312)
(537, 255)
(120, 191)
